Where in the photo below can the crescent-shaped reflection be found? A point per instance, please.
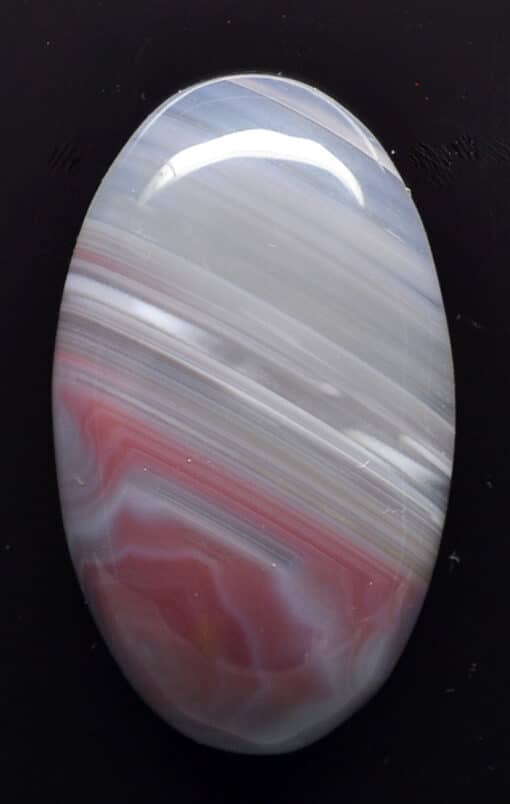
(251, 144)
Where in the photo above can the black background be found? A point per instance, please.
(432, 80)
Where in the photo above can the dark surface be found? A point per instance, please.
(432, 80)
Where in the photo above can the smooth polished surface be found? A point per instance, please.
(254, 412)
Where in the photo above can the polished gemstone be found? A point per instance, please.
(254, 412)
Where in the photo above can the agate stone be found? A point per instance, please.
(254, 412)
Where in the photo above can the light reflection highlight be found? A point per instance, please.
(251, 144)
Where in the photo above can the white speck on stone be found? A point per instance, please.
(78, 480)
(188, 460)
(328, 389)
(273, 564)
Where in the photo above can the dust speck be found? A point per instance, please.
(454, 560)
